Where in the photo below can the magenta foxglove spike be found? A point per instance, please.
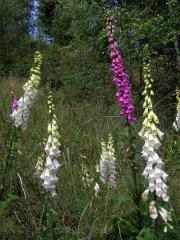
(120, 78)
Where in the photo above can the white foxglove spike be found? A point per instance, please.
(152, 136)
(52, 152)
(106, 167)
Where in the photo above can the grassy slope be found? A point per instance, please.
(77, 213)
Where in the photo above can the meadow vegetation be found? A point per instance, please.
(76, 65)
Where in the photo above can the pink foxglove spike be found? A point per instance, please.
(14, 104)
(120, 79)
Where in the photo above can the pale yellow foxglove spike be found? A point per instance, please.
(52, 151)
(21, 114)
(152, 136)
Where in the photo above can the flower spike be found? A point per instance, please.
(120, 79)
(152, 136)
(107, 168)
(52, 151)
(21, 112)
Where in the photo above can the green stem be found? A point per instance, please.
(134, 172)
(10, 157)
(81, 218)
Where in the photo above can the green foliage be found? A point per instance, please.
(76, 62)
(15, 40)
(76, 213)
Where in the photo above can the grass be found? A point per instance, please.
(76, 213)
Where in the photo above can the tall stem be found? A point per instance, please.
(134, 172)
(10, 157)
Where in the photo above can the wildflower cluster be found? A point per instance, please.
(20, 115)
(106, 168)
(152, 136)
(52, 152)
(120, 79)
(176, 123)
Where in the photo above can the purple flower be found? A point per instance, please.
(14, 104)
(120, 79)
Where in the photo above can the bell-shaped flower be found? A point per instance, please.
(145, 195)
(153, 210)
(166, 217)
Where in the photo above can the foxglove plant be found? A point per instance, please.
(22, 108)
(106, 168)
(176, 123)
(120, 78)
(52, 152)
(152, 136)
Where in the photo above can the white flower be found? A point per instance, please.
(97, 189)
(166, 216)
(153, 210)
(20, 116)
(145, 195)
(106, 168)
